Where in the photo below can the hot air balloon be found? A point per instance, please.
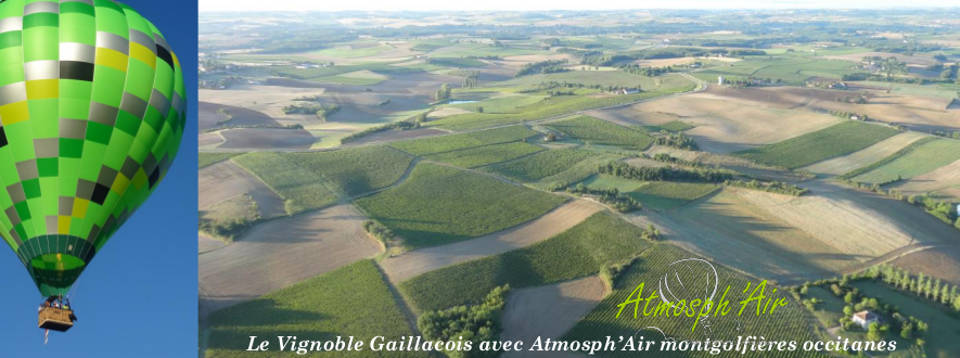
(92, 110)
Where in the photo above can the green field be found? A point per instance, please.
(301, 188)
(921, 157)
(459, 62)
(598, 131)
(356, 49)
(314, 180)
(595, 78)
(206, 158)
(671, 126)
(476, 50)
(541, 165)
(840, 139)
(439, 205)
(603, 181)
(340, 72)
(554, 106)
(357, 170)
(320, 308)
(501, 104)
(944, 329)
(578, 252)
(487, 154)
(650, 268)
(830, 309)
(788, 69)
(462, 141)
(661, 195)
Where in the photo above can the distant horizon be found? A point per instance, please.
(240, 6)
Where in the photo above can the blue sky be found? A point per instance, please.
(437, 5)
(138, 298)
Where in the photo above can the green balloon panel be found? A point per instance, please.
(92, 110)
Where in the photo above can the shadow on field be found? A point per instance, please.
(262, 312)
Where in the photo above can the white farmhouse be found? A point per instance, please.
(865, 318)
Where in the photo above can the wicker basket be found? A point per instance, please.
(55, 319)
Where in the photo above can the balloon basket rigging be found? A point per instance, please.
(55, 317)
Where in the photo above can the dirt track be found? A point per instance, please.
(225, 180)
(549, 311)
(282, 252)
(865, 157)
(413, 263)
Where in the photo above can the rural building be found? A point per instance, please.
(865, 318)
(629, 91)
(720, 80)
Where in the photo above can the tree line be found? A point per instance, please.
(627, 171)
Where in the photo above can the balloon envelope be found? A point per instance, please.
(92, 110)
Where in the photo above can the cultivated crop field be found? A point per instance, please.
(872, 154)
(656, 195)
(225, 180)
(653, 266)
(726, 124)
(551, 107)
(410, 264)
(943, 181)
(278, 253)
(315, 180)
(578, 252)
(841, 139)
(364, 168)
(207, 158)
(601, 78)
(357, 170)
(919, 158)
(592, 130)
(483, 155)
(438, 205)
(790, 69)
(541, 165)
(500, 104)
(319, 308)
(297, 185)
(462, 141)
(940, 262)
(670, 195)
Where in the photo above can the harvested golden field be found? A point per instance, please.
(866, 156)
(267, 99)
(916, 111)
(789, 238)
(549, 311)
(724, 124)
(225, 180)
(282, 252)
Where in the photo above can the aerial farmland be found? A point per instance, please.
(508, 175)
